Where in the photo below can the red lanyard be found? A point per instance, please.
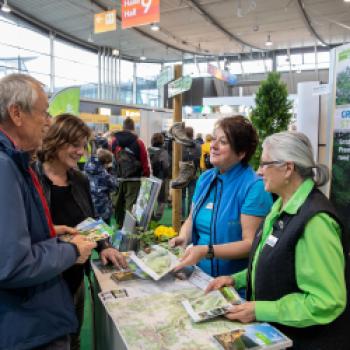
(43, 201)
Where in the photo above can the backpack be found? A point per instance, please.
(157, 166)
(126, 163)
(207, 163)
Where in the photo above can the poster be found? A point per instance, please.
(340, 193)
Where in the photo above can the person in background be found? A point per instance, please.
(229, 203)
(199, 139)
(131, 162)
(190, 154)
(67, 192)
(205, 154)
(160, 168)
(102, 183)
(36, 308)
(298, 274)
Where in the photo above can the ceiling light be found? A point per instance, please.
(115, 52)
(346, 0)
(155, 27)
(5, 7)
(268, 42)
(143, 58)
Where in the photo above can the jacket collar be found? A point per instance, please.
(19, 157)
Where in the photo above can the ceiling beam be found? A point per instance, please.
(307, 20)
(210, 19)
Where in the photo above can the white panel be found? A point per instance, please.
(308, 112)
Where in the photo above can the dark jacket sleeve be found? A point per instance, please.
(22, 262)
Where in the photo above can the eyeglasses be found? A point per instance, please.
(266, 164)
(45, 113)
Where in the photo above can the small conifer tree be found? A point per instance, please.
(272, 112)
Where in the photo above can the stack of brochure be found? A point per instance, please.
(259, 336)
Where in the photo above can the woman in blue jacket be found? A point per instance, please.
(229, 203)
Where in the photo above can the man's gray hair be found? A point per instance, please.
(17, 89)
(290, 146)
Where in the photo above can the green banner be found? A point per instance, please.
(66, 100)
(165, 76)
(179, 86)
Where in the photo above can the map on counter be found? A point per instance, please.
(162, 320)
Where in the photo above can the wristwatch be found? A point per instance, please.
(210, 254)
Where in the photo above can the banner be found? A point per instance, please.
(179, 86)
(166, 75)
(139, 12)
(66, 100)
(105, 21)
(340, 186)
(231, 79)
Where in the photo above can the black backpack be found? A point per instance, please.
(126, 163)
(157, 166)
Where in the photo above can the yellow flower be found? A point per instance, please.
(164, 231)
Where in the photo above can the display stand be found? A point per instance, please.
(138, 220)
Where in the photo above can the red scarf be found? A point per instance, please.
(43, 201)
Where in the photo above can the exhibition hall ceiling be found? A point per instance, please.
(202, 27)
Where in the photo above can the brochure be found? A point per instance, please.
(94, 230)
(213, 304)
(157, 263)
(112, 295)
(258, 336)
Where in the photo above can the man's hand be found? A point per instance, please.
(84, 247)
(219, 282)
(114, 256)
(192, 255)
(63, 230)
(244, 313)
(178, 241)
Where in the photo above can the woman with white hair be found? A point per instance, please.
(298, 271)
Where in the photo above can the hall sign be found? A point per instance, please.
(139, 12)
(105, 21)
(165, 76)
(179, 86)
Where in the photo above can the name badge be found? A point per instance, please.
(271, 240)
(209, 206)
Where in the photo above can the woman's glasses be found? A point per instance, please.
(266, 164)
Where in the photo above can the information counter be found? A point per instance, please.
(148, 315)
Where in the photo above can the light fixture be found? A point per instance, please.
(268, 42)
(5, 7)
(143, 58)
(346, 0)
(115, 52)
(155, 27)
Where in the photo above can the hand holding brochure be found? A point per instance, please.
(94, 230)
(258, 336)
(213, 304)
(157, 263)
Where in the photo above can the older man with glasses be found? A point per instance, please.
(36, 308)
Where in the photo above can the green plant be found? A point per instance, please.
(272, 112)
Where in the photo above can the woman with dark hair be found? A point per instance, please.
(68, 195)
(298, 274)
(229, 202)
